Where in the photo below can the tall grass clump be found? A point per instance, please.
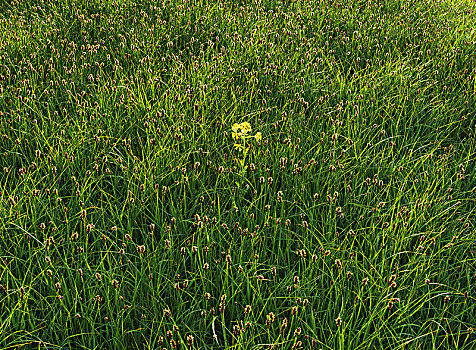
(237, 174)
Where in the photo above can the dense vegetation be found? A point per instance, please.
(338, 213)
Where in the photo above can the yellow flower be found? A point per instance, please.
(246, 127)
(258, 136)
(235, 127)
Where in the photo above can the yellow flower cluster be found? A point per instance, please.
(242, 130)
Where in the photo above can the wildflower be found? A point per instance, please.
(239, 130)
(258, 136)
(246, 127)
(235, 134)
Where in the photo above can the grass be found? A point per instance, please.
(129, 218)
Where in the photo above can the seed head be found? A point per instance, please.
(294, 310)
(190, 340)
(297, 332)
(284, 325)
(236, 330)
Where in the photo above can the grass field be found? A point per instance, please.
(237, 174)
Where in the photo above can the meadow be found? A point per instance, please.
(259, 174)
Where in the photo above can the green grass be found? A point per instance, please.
(128, 219)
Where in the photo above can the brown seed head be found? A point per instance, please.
(284, 325)
(297, 332)
(294, 310)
